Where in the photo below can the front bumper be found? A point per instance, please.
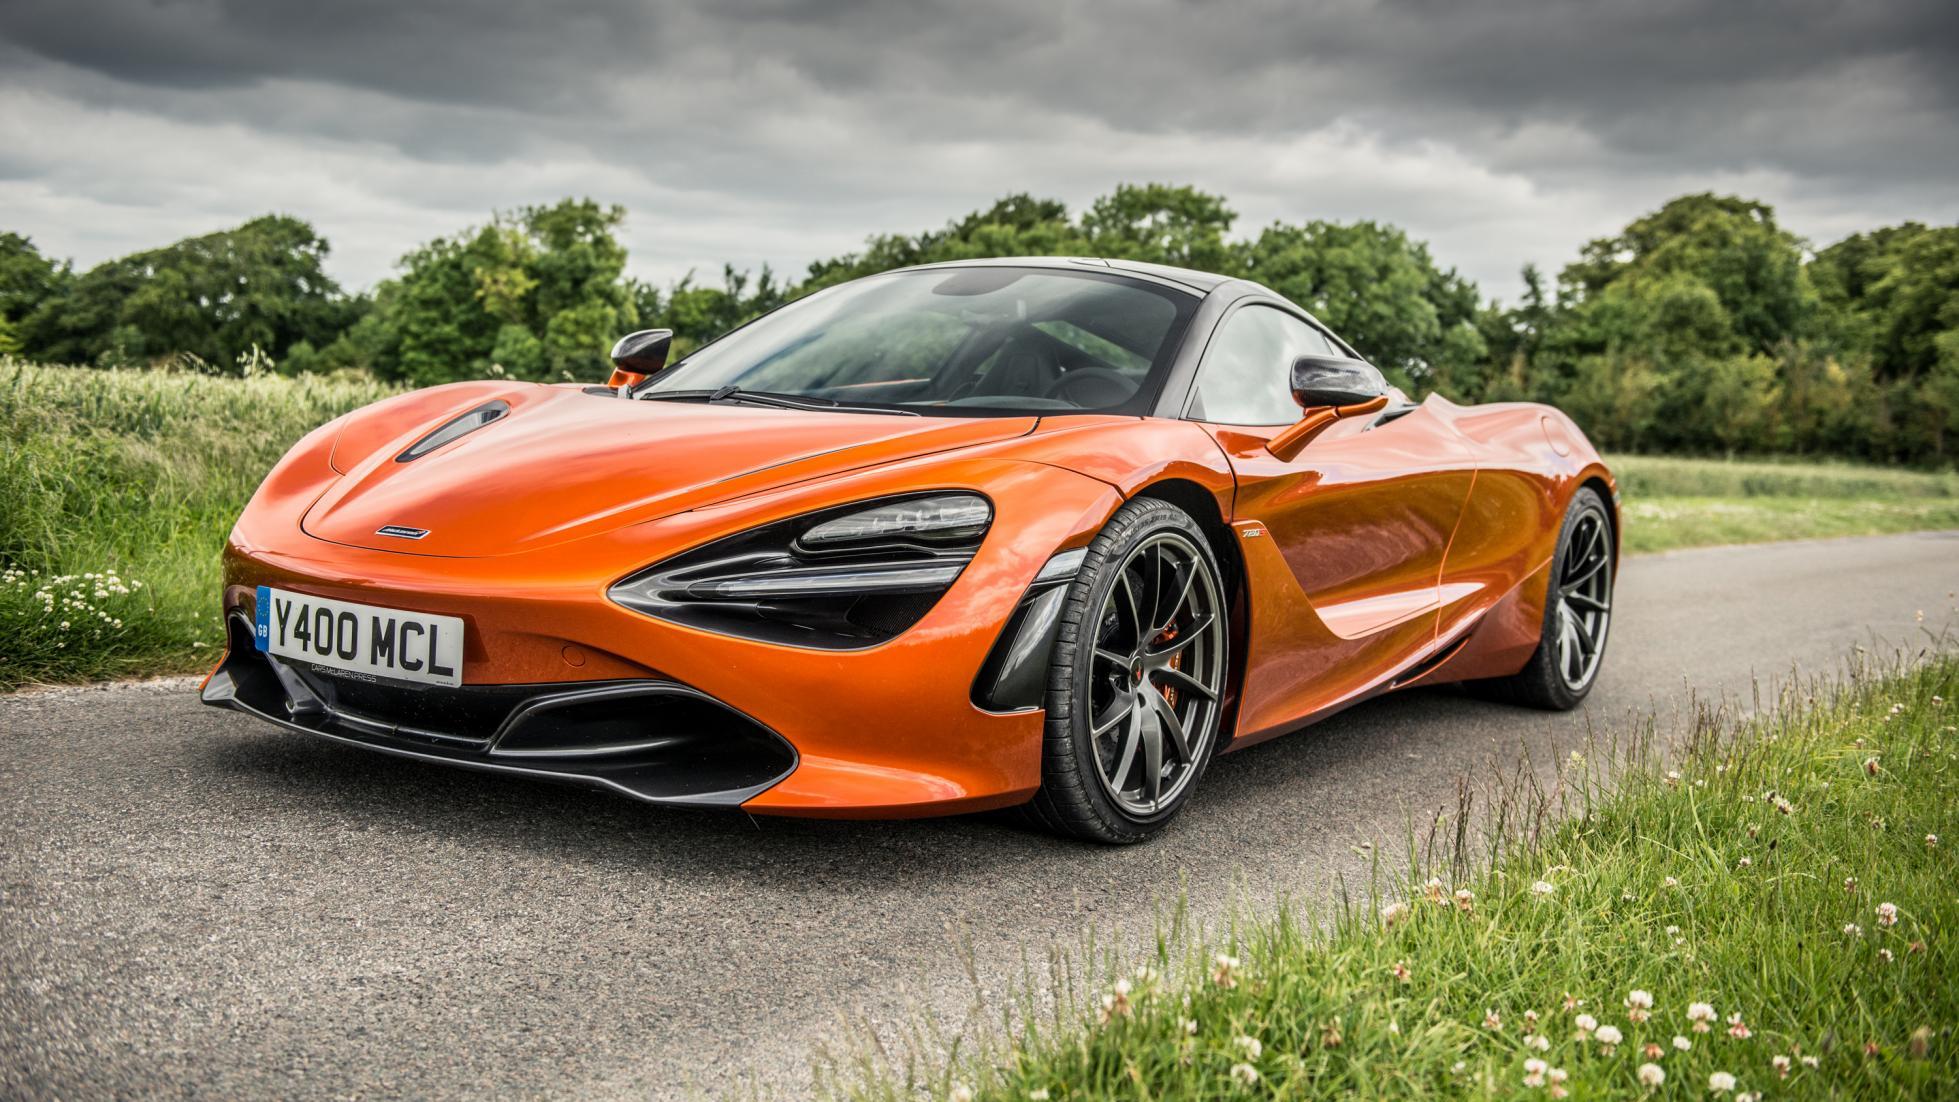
(652, 740)
(890, 730)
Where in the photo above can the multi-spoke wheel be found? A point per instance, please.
(1582, 598)
(1137, 678)
(1577, 612)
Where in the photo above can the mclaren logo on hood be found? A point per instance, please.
(401, 531)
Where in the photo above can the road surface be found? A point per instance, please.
(194, 903)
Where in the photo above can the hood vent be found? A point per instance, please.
(455, 429)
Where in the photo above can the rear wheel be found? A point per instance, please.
(1136, 679)
(1577, 615)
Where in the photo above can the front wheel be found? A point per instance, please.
(1577, 614)
(1136, 679)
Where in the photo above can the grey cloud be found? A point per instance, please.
(1499, 129)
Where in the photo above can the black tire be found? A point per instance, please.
(1556, 678)
(1146, 677)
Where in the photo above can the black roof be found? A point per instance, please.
(1201, 282)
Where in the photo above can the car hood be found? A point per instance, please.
(564, 464)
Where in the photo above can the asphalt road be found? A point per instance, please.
(195, 904)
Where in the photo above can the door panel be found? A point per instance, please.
(1346, 592)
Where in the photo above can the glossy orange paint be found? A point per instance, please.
(1358, 558)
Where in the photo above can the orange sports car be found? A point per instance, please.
(1042, 532)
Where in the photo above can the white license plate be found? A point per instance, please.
(383, 642)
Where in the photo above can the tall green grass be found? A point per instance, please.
(1795, 874)
(116, 491)
(1672, 503)
(1655, 476)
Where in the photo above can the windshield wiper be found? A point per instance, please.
(807, 402)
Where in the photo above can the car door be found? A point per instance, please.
(1344, 542)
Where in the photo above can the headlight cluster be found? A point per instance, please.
(839, 579)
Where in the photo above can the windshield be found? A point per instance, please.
(956, 341)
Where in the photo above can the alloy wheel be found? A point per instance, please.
(1584, 601)
(1156, 674)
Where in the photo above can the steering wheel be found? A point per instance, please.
(1091, 387)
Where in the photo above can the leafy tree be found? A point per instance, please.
(1732, 246)
(1382, 292)
(1018, 225)
(537, 294)
(1161, 224)
(1899, 287)
(215, 297)
(27, 279)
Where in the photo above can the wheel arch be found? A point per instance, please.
(1606, 494)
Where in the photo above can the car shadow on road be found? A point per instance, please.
(1401, 751)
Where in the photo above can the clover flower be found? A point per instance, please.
(1682, 1044)
(1542, 888)
(1465, 900)
(1609, 1038)
(1393, 913)
(1720, 1082)
(1737, 1028)
(1781, 1065)
(1224, 972)
(1702, 1015)
(1639, 1005)
(1651, 1075)
(1585, 1023)
(1244, 1074)
(1534, 1070)
(1887, 914)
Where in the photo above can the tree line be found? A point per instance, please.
(1702, 327)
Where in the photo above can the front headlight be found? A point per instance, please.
(843, 578)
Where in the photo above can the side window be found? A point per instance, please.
(1246, 375)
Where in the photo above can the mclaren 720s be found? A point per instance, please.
(1040, 532)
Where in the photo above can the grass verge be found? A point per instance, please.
(1774, 915)
(116, 491)
(1671, 503)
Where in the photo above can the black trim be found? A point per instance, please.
(657, 741)
(455, 428)
(1014, 675)
(685, 589)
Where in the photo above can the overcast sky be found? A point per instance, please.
(782, 130)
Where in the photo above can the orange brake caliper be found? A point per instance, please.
(1176, 663)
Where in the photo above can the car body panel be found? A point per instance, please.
(1407, 549)
(1364, 579)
